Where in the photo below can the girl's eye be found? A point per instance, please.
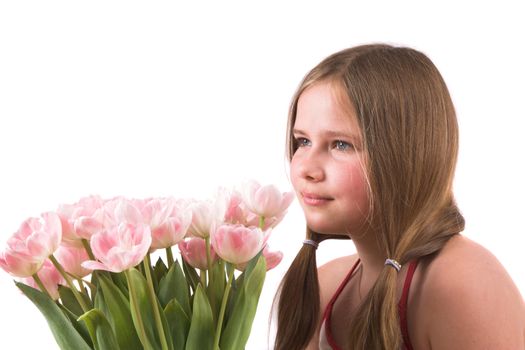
(302, 142)
(343, 146)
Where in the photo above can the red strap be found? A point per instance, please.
(402, 306)
(328, 311)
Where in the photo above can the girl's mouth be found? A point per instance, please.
(312, 199)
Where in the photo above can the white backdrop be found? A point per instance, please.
(153, 99)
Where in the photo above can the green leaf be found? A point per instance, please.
(120, 281)
(249, 267)
(70, 302)
(66, 336)
(79, 326)
(93, 285)
(119, 315)
(239, 325)
(100, 330)
(200, 336)
(178, 323)
(142, 310)
(191, 275)
(100, 303)
(160, 269)
(216, 289)
(174, 285)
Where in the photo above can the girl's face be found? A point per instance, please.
(326, 169)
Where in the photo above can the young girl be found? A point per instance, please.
(373, 142)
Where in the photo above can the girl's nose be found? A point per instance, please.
(311, 169)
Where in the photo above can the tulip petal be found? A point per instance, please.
(95, 265)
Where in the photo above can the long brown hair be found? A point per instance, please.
(410, 139)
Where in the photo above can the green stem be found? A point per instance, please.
(138, 320)
(208, 258)
(223, 309)
(203, 278)
(87, 247)
(92, 288)
(210, 291)
(153, 276)
(261, 222)
(40, 285)
(169, 256)
(70, 283)
(154, 303)
(81, 285)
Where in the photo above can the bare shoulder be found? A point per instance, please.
(331, 275)
(471, 301)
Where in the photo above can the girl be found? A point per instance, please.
(373, 142)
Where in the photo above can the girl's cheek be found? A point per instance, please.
(295, 168)
(355, 182)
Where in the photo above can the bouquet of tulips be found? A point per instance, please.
(87, 267)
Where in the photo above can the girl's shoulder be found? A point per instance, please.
(332, 274)
(468, 300)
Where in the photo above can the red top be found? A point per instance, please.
(402, 307)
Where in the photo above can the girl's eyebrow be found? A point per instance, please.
(297, 131)
(329, 133)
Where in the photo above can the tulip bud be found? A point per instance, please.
(194, 253)
(266, 201)
(31, 245)
(119, 248)
(237, 243)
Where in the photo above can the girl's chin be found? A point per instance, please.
(323, 230)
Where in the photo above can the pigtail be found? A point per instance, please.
(298, 307)
(297, 298)
(298, 302)
(377, 323)
(379, 328)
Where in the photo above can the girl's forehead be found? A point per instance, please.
(324, 106)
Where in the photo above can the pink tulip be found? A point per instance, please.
(18, 265)
(120, 247)
(269, 222)
(237, 243)
(50, 278)
(204, 215)
(168, 220)
(82, 219)
(194, 253)
(71, 259)
(31, 245)
(272, 259)
(105, 214)
(86, 227)
(266, 201)
(119, 210)
(237, 212)
(69, 236)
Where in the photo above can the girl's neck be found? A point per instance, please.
(372, 260)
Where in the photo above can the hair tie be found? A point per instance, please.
(311, 242)
(393, 263)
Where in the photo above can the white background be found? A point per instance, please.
(152, 99)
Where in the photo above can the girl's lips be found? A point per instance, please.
(314, 200)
